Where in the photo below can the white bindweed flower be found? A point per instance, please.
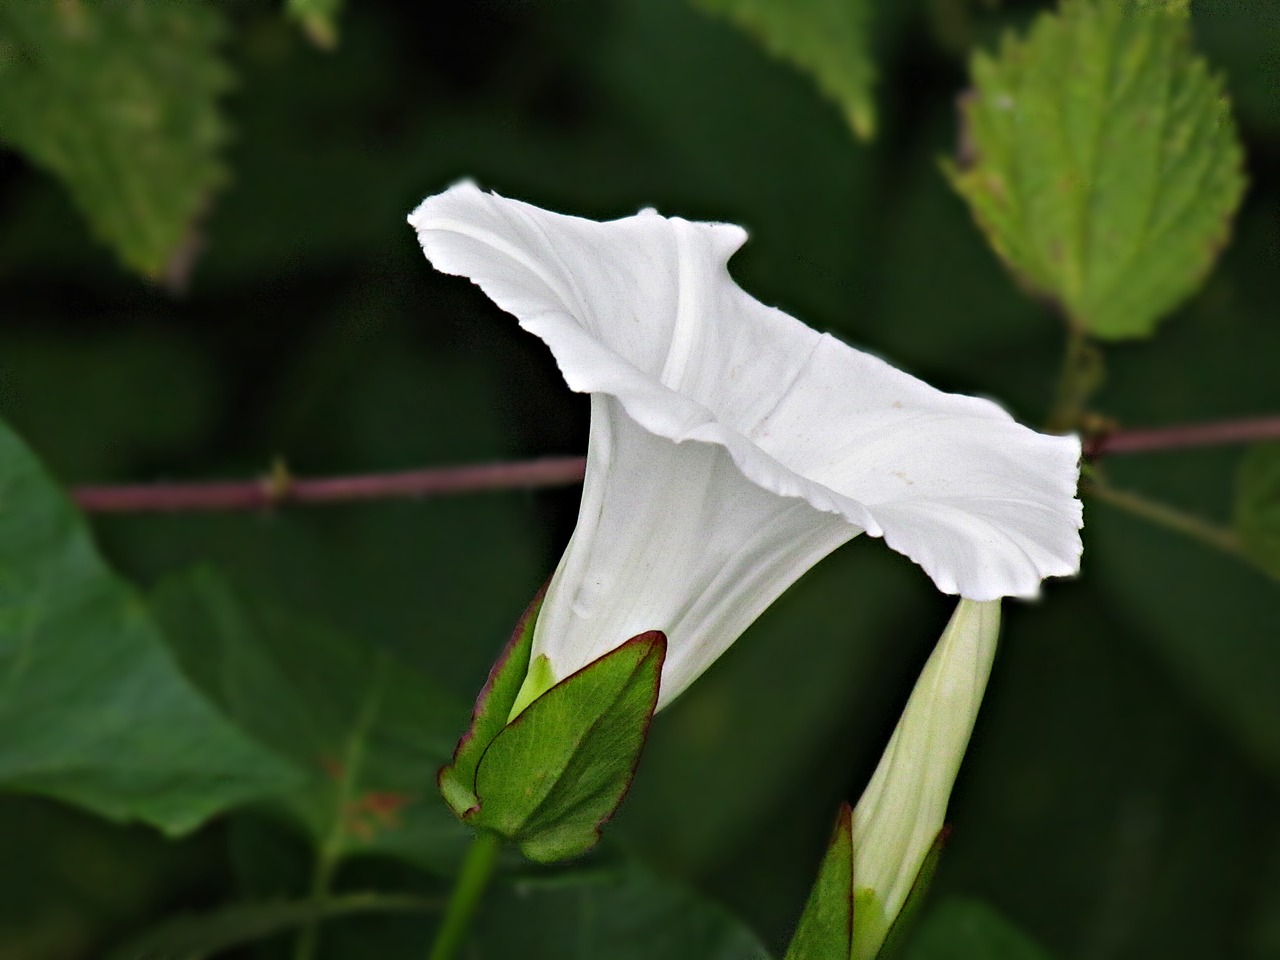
(902, 810)
(731, 446)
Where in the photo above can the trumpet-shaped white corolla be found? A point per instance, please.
(732, 447)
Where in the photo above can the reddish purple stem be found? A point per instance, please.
(550, 472)
(1187, 435)
(274, 491)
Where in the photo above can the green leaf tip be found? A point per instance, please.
(551, 777)
(825, 930)
(828, 39)
(1101, 161)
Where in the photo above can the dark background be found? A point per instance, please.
(1121, 795)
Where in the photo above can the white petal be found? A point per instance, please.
(904, 806)
(643, 310)
(672, 537)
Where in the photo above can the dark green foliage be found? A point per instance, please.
(1127, 762)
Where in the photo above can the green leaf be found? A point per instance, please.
(961, 929)
(1102, 162)
(457, 780)
(198, 936)
(622, 914)
(370, 731)
(825, 931)
(1257, 509)
(318, 19)
(826, 38)
(558, 771)
(118, 100)
(93, 708)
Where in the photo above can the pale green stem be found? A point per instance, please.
(472, 880)
(1080, 378)
(1165, 516)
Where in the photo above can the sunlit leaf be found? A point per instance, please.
(1101, 161)
(119, 101)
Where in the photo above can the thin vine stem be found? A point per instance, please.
(280, 488)
(473, 880)
(1168, 517)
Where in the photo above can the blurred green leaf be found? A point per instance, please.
(557, 772)
(826, 38)
(199, 936)
(962, 929)
(318, 19)
(825, 930)
(370, 730)
(623, 914)
(95, 712)
(1257, 512)
(1101, 161)
(118, 100)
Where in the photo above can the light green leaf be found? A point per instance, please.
(203, 935)
(829, 39)
(371, 732)
(825, 931)
(1257, 510)
(970, 930)
(93, 708)
(118, 100)
(1102, 162)
(556, 772)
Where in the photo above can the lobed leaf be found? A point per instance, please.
(1101, 161)
(119, 101)
(829, 39)
(94, 709)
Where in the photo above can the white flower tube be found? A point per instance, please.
(903, 808)
(731, 446)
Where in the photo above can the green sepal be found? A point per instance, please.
(825, 930)
(457, 779)
(895, 940)
(557, 772)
